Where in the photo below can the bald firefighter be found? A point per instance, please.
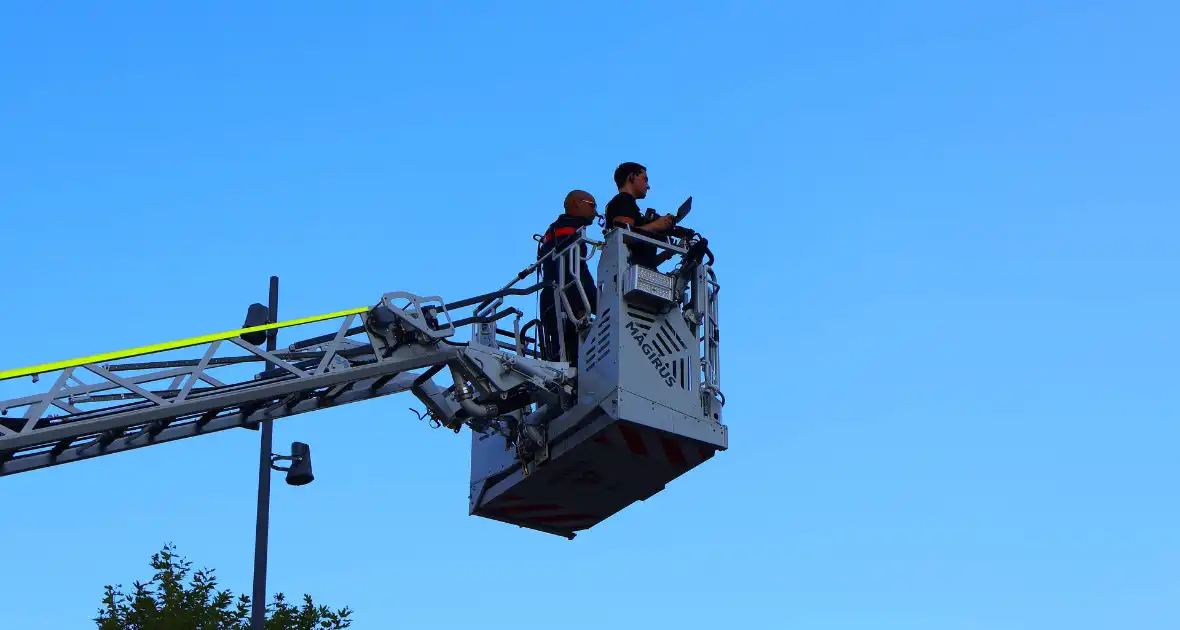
(580, 210)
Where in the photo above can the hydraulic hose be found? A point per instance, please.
(541, 416)
(463, 395)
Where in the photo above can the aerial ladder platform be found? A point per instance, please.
(560, 440)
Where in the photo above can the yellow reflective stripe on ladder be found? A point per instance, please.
(171, 345)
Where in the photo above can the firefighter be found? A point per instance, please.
(631, 180)
(580, 210)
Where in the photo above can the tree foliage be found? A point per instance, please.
(166, 603)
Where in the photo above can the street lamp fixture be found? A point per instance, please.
(299, 472)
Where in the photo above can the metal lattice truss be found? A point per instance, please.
(93, 409)
(110, 403)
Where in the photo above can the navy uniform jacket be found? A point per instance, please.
(560, 234)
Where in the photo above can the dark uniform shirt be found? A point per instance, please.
(560, 234)
(623, 205)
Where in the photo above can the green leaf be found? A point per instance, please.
(167, 602)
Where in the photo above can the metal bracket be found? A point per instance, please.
(282, 458)
(415, 313)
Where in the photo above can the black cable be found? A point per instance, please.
(486, 319)
(487, 298)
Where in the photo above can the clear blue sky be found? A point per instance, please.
(946, 234)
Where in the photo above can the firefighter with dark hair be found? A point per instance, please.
(631, 180)
(580, 210)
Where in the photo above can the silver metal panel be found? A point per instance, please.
(639, 410)
(490, 455)
(658, 359)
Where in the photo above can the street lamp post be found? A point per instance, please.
(262, 522)
(298, 474)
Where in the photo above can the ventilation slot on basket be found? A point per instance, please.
(672, 339)
(598, 341)
(643, 319)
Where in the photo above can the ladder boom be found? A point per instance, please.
(105, 437)
(97, 422)
(162, 347)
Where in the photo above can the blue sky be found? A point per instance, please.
(945, 234)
